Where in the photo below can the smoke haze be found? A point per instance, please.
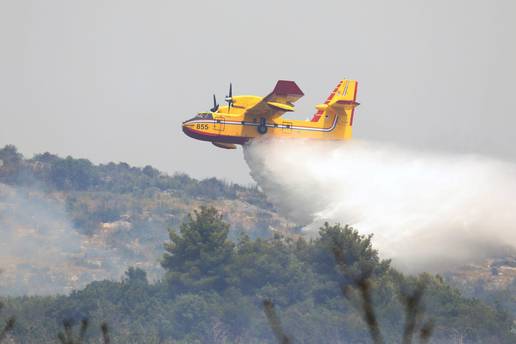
(41, 252)
(427, 211)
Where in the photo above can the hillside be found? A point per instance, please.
(66, 222)
(331, 289)
(99, 234)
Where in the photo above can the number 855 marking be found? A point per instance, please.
(201, 126)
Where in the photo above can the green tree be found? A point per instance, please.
(197, 257)
(342, 251)
(270, 269)
(135, 275)
(10, 164)
(73, 174)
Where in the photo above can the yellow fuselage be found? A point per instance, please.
(229, 126)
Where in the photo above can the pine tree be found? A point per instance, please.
(197, 258)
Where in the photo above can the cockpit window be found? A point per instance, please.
(202, 115)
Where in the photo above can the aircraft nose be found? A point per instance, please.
(187, 130)
(187, 124)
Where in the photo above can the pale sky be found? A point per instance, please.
(113, 80)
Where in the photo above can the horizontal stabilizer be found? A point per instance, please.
(347, 103)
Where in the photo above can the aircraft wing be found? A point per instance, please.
(279, 101)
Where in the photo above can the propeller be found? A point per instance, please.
(215, 105)
(229, 98)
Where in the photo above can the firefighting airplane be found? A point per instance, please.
(248, 117)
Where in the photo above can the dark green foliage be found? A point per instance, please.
(87, 209)
(122, 213)
(214, 293)
(196, 258)
(214, 288)
(214, 188)
(11, 164)
(355, 257)
(71, 174)
(136, 276)
(10, 156)
(504, 298)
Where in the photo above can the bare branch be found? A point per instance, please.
(84, 328)
(426, 332)
(105, 333)
(8, 328)
(362, 283)
(275, 322)
(413, 310)
(364, 287)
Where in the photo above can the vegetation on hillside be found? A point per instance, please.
(69, 174)
(214, 291)
(99, 219)
(221, 284)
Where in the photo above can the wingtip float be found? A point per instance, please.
(248, 117)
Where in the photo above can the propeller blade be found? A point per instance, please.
(229, 98)
(215, 105)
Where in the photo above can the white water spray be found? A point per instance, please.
(427, 211)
